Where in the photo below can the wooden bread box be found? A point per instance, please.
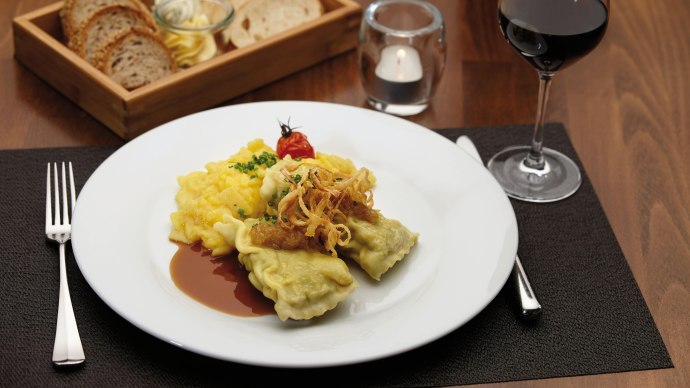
(39, 45)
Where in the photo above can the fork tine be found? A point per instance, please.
(49, 206)
(73, 195)
(65, 204)
(56, 191)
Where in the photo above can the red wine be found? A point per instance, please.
(552, 34)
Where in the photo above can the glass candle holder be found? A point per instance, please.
(192, 28)
(402, 54)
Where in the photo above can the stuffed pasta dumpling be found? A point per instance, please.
(302, 283)
(377, 246)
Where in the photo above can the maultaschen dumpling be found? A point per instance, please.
(303, 284)
(377, 246)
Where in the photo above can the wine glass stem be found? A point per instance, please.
(535, 157)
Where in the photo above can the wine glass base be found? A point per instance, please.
(559, 179)
(397, 109)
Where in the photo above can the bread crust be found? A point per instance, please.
(103, 56)
(98, 38)
(71, 26)
(78, 41)
(63, 19)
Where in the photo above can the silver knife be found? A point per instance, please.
(527, 302)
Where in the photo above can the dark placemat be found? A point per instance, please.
(595, 319)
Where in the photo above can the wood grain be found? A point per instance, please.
(626, 106)
(39, 45)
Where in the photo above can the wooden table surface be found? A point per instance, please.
(626, 106)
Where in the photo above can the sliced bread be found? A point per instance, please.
(104, 24)
(135, 57)
(259, 19)
(77, 12)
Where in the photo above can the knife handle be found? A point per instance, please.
(530, 308)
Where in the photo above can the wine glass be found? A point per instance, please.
(550, 35)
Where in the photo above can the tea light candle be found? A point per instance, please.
(399, 74)
(399, 64)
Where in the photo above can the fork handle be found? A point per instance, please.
(67, 349)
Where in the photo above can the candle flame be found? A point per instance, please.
(400, 55)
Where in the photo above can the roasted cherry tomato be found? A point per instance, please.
(293, 143)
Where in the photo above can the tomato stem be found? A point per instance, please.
(285, 129)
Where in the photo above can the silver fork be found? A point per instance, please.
(67, 349)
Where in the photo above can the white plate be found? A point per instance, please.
(468, 236)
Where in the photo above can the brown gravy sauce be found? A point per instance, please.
(221, 283)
